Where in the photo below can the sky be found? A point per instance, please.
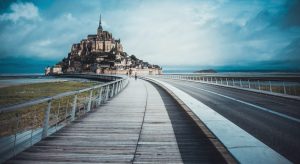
(175, 34)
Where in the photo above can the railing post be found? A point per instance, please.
(57, 118)
(232, 82)
(221, 81)
(16, 132)
(46, 120)
(241, 83)
(73, 113)
(90, 101)
(284, 88)
(226, 81)
(249, 85)
(122, 85)
(112, 90)
(270, 85)
(117, 88)
(258, 84)
(33, 125)
(100, 96)
(107, 92)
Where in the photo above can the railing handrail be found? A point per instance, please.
(289, 77)
(16, 107)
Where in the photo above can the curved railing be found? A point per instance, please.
(286, 86)
(25, 124)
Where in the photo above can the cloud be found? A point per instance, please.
(19, 10)
(205, 33)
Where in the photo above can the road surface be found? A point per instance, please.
(273, 120)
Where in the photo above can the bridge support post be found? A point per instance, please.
(46, 120)
(74, 108)
(90, 101)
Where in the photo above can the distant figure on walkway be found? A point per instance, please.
(135, 75)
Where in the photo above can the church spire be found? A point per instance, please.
(100, 24)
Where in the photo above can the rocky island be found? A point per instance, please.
(101, 53)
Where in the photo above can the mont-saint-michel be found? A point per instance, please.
(229, 90)
(101, 53)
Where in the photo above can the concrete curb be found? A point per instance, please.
(213, 139)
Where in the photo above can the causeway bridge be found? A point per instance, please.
(154, 120)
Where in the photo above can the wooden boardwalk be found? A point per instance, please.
(143, 124)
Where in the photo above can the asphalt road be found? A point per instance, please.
(273, 120)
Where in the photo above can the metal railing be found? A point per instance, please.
(266, 85)
(25, 124)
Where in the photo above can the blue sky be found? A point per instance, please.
(219, 34)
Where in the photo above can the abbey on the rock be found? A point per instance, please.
(102, 54)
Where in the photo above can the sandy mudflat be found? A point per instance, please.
(13, 82)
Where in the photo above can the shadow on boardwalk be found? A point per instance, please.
(193, 145)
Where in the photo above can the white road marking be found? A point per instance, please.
(250, 104)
